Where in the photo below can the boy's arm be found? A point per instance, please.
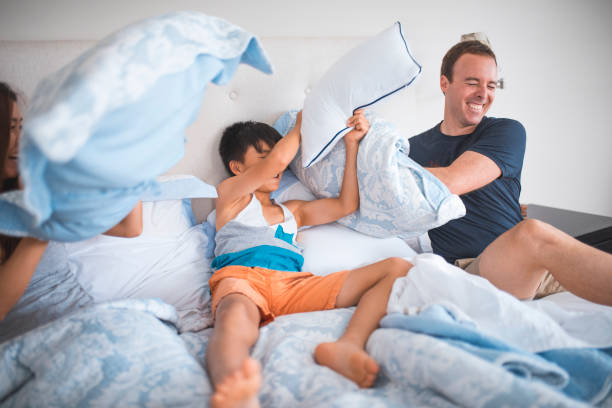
(327, 210)
(234, 188)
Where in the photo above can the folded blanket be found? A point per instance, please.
(102, 128)
(469, 313)
(583, 374)
(496, 313)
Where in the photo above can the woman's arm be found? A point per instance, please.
(16, 272)
(130, 226)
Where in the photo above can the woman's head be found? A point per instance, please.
(10, 132)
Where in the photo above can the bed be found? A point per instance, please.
(141, 341)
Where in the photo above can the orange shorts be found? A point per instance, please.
(277, 293)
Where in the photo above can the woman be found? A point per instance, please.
(35, 278)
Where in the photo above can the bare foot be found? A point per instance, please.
(239, 389)
(349, 360)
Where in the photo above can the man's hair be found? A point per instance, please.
(463, 47)
(238, 137)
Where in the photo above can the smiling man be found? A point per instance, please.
(477, 157)
(480, 159)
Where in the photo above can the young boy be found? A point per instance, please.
(257, 265)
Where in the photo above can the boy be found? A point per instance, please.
(257, 266)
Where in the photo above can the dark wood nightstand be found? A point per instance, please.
(595, 230)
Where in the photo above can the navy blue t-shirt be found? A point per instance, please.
(490, 210)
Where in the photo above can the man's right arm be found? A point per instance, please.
(498, 152)
(468, 172)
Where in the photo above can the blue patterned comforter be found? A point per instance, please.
(129, 353)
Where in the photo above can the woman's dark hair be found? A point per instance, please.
(238, 137)
(7, 98)
(464, 47)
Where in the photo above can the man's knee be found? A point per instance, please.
(535, 234)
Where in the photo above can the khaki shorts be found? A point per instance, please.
(548, 286)
(277, 293)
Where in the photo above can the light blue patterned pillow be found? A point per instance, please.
(102, 128)
(377, 68)
(397, 197)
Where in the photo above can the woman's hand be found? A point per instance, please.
(130, 226)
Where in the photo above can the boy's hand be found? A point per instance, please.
(298, 123)
(298, 119)
(360, 126)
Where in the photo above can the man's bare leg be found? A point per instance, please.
(235, 376)
(518, 259)
(368, 287)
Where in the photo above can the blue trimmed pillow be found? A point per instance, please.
(102, 128)
(370, 72)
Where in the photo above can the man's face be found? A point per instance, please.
(470, 95)
(12, 154)
(253, 157)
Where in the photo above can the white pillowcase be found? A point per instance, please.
(333, 247)
(374, 70)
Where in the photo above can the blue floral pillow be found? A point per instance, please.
(103, 127)
(397, 197)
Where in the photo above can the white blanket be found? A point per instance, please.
(531, 325)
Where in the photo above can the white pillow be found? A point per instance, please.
(374, 70)
(333, 247)
(167, 261)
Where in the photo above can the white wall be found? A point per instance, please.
(555, 56)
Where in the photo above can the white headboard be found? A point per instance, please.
(251, 95)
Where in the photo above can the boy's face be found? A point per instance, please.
(253, 157)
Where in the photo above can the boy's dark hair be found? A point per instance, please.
(238, 137)
(463, 47)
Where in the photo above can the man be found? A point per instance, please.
(480, 159)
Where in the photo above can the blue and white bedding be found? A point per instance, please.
(130, 353)
(460, 343)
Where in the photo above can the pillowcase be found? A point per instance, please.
(169, 260)
(397, 197)
(333, 247)
(101, 129)
(372, 71)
